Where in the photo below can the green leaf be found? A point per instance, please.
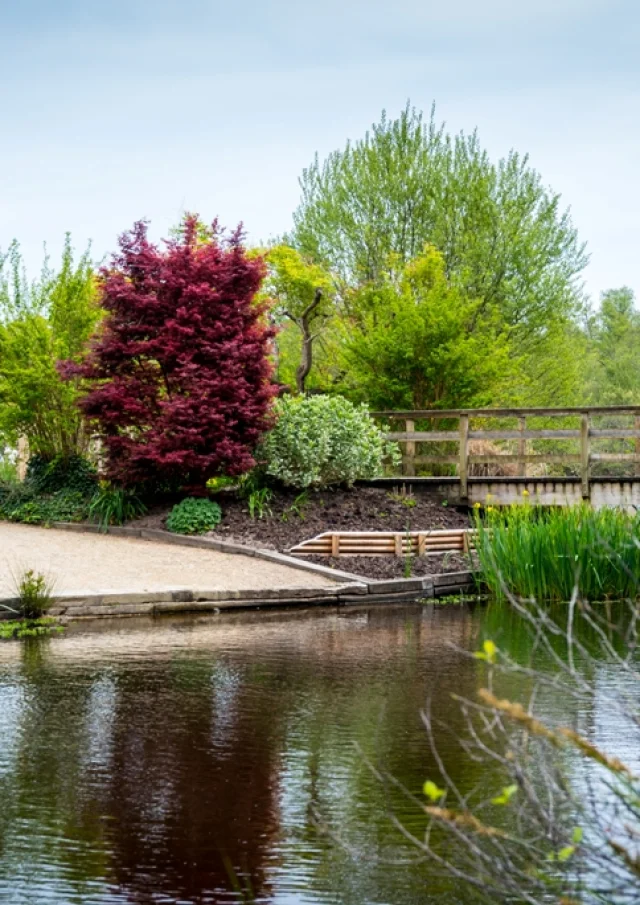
(506, 795)
(576, 836)
(432, 791)
(565, 853)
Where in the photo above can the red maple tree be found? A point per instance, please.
(179, 377)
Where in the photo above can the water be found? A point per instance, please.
(229, 759)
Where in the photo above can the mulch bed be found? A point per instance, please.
(292, 519)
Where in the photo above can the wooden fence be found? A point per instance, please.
(387, 543)
(522, 435)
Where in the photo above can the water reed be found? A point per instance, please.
(543, 554)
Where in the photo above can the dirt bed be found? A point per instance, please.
(292, 518)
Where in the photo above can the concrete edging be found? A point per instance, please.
(348, 588)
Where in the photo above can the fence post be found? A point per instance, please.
(522, 447)
(636, 469)
(409, 466)
(464, 452)
(584, 456)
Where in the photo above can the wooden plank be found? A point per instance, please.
(522, 447)
(335, 545)
(596, 411)
(524, 435)
(613, 434)
(584, 456)
(436, 460)
(499, 458)
(464, 452)
(423, 436)
(408, 465)
(615, 457)
(422, 544)
(398, 545)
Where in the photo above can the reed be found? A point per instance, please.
(546, 554)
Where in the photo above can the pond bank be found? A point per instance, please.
(137, 571)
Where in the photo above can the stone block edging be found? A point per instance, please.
(347, 589)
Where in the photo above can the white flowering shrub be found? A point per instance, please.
(320, 441)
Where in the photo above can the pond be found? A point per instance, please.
(229, 759)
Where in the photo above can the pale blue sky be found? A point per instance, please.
(119, 110)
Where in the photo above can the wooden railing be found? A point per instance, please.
(522, 435)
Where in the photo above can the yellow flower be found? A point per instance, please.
(491, 509)
(525, 493)
(476, 505)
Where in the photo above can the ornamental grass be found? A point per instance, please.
(545, 554)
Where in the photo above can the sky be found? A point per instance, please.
(128, 109)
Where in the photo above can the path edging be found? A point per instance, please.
(348, 588)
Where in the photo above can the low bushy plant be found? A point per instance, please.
(194, 516)
(115, 506)
(69, 473)
(546, 554)
(20, 504)
(323, 441)
(35, 594)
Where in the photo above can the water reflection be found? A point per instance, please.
(187, 760)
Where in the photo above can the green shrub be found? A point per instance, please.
(320, 441)
(545, 554)
(20, 504)
(194, 516)
(115, 506)
(72, 473)
(35, 594)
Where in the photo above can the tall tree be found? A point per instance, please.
(373, 206)
(419, 342)
(41, 323)
(615, 333)
(180, 378)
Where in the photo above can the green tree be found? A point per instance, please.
(502, 234)
(303, 293)
(40, 324)
(418, 341)
(615, 335)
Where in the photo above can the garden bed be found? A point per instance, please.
(290, 518)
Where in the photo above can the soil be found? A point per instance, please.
(292, 518)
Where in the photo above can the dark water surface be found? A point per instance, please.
(187, 760)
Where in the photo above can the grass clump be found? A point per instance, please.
(545, 554)
(194, 516)
(34, 592)
(115, 506)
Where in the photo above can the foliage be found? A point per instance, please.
(72, 473)
(302, 292)
(320, 441)
(615, 338)
(563, 825)
(194, 515)
(258, 502)
(369, 209)
(407, 183)
(115, 506)
(416, 342)
(40, 324)
(28, 628)
(179, 378)
(22, 503)
(35, 594)
(545, 554)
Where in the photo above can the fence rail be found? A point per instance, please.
(581, 437)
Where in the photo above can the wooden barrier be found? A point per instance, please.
(387, 543)
(579, 461)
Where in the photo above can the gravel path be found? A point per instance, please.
(89, 563)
